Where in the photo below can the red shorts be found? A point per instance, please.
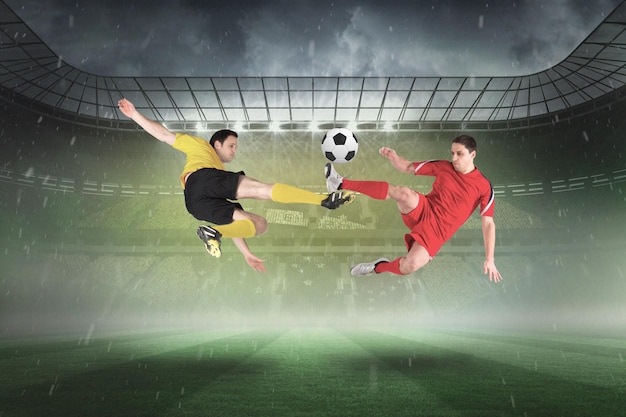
(424, 228)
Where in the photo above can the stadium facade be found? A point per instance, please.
(95, 203)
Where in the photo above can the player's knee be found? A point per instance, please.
(403, 194)
(408, 267)
(260, 226)
(409, 264)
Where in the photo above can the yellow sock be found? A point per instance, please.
(283, 193)
(238, 228)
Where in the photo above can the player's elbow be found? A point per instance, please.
(487, 222)
(167, 137)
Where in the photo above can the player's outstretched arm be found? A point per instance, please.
(252, 260)
(154, 128)
(398, 162)
(489, 236)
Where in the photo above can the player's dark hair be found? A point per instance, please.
(221, 135)
(467, 141)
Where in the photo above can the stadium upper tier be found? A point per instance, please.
(35, 76)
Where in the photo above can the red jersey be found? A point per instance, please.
(452, 200)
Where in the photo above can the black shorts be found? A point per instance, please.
(208, 192)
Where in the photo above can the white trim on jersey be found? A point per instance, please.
(421, 164)
(490, 203)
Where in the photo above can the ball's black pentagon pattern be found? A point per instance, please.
(339, 139)
(330, 156)
(350, 155)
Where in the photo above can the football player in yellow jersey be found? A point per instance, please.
(210, 189)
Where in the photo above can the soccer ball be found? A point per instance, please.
(339, 145)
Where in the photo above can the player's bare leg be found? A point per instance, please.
(406, 198)
(415, 259)
(253, 189)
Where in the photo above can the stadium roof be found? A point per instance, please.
(35, 76)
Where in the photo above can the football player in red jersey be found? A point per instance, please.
(459, 188)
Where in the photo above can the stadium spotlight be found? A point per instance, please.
(389, 126)
(199, 126)
(274, 126)
(238, 127)
(352, 126)
(313, 126)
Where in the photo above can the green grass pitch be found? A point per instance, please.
(314, 372)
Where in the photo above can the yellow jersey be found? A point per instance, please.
(200, 154)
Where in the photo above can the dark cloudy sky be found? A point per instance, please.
(313, 37)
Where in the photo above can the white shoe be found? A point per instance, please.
(364, 269)
(333, 179)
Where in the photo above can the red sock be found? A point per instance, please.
(374, 189)
(393, 267)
